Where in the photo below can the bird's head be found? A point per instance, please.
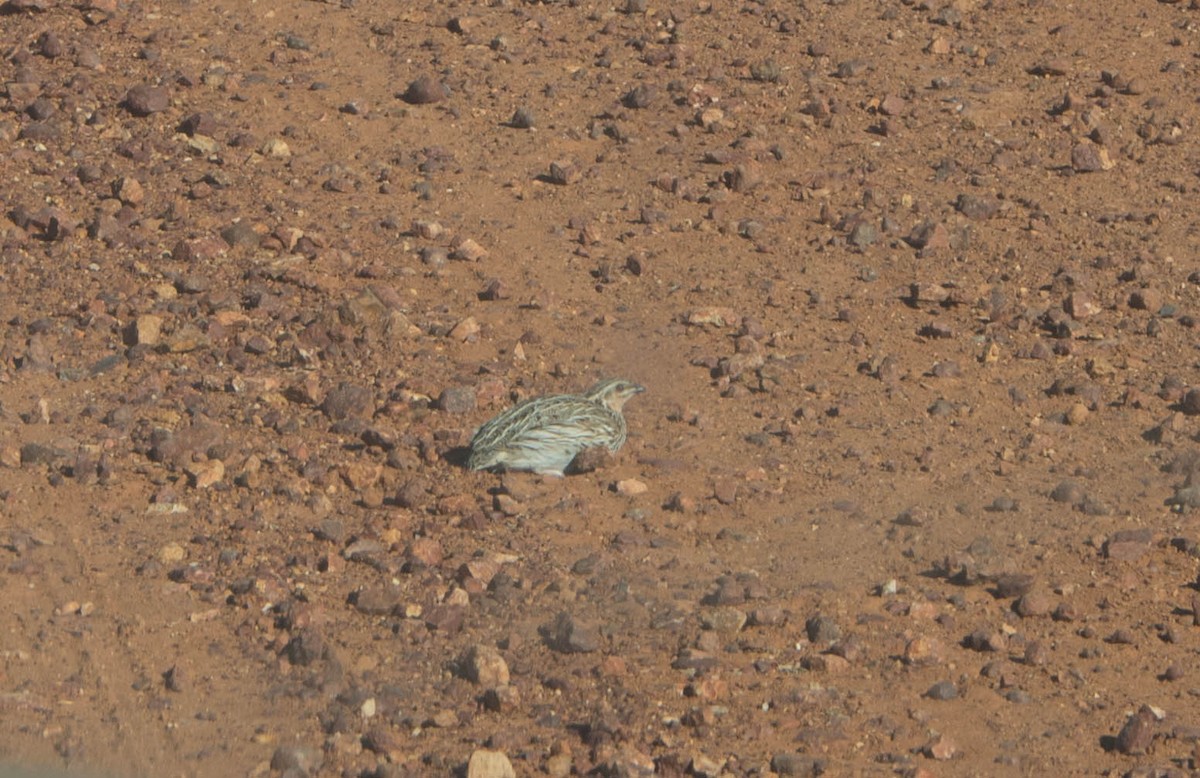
(614, 393)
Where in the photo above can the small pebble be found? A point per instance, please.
(942, 690)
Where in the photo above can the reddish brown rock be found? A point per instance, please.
(146, 99)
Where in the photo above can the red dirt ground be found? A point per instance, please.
(912, 287)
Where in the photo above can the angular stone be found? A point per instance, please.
(205, 474)
(1128, 545)
(468, 250)
(563, 172)
(930, 237)
(569, 636)
(347, 401)
(976, 207)
(1080, 305)
(483, 665)
(146, 330)
(129, 191)
(1087, 157)
(1138, 733)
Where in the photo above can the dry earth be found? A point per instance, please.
(913, 288)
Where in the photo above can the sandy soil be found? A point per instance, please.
(912, 287)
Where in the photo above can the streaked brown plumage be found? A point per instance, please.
(544, 434)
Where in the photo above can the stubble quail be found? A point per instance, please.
(544, 434)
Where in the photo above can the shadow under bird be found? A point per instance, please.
(545, 433)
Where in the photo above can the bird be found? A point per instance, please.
(544, 434)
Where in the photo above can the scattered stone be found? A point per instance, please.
(930, 236)
(791, 764)
(463, 25)
(744, 178)
(241, 233)
(569, 636)
(383, 741)
(825, 663)
(563, 172)
(892, 105)
(1068, 491)
(942, 748)
(502, 699)
(986, 641)
(1077, 414)
(446, 618)
(767, 71)
(724, 620)
(1128, 545)
(146, 330)
(767, 616)
(198, 124)
(1087, 157)
(347, 401)
(923, 292)
(175, 679)
(1146, 300)
(641, 96)
(378, 600)
(434, 256)
(942, 690)
(1065, 611)
(717, 317)
(1121, 637)
(484, 666)
(465, 330)
(1080, 305)
(822, 629)
(276, 148)
(1003, 504)
(146, 99)
(203, 475)
(523, 119)
(851, 68)
(977, 207)
(924, 651)
(429, 230)
(630, 487)
(495, 290)
(468, 250)
(129, 191)
(591, 459)
(1190, 404)
(1052, 67)
(559, 765)
(1138, 733)
(199, 250)
(1036, 654)
(424, 90)
(49, 45)
(1032, 604)
(725, 490)
(1013, 584)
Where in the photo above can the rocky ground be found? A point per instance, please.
(912, 287)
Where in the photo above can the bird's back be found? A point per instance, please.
(545, 433)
